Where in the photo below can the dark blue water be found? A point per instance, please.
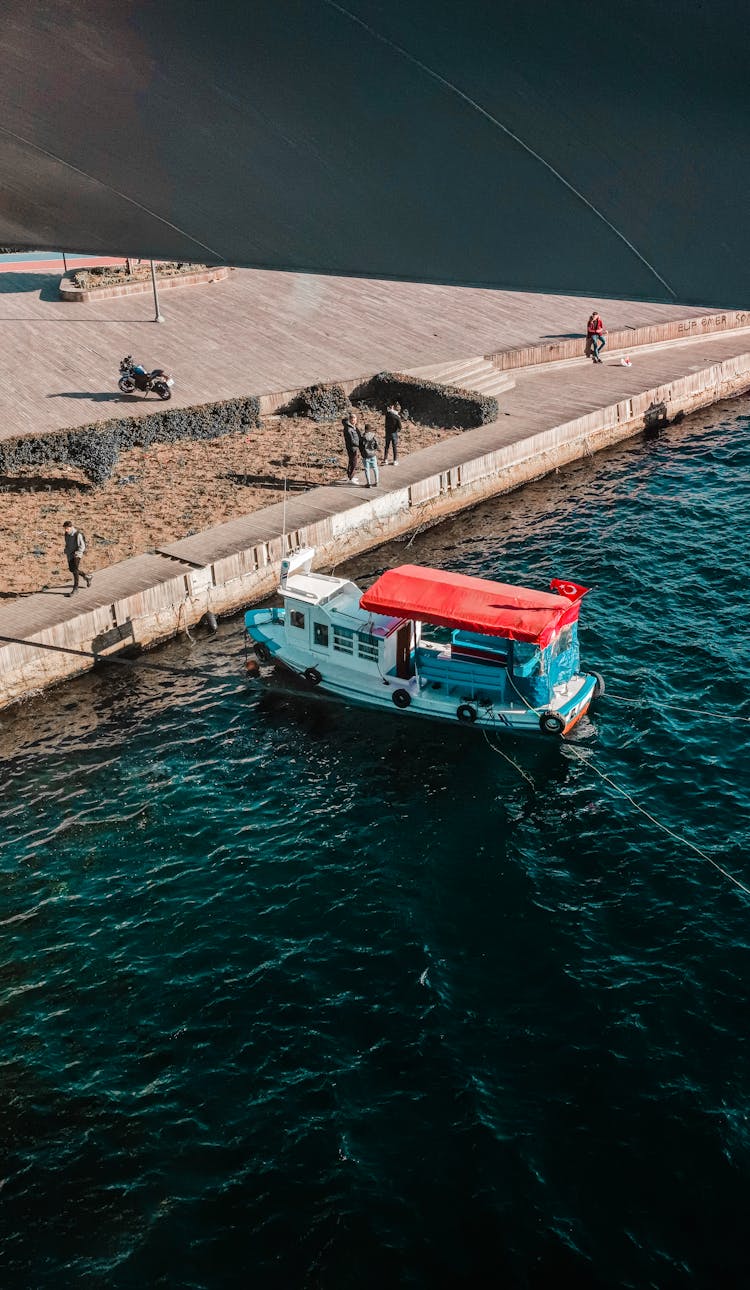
(300, 996)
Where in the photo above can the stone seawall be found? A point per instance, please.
(173, 593)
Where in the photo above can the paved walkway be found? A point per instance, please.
(256, 333)
(540, 400)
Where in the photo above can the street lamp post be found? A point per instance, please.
(159, 317)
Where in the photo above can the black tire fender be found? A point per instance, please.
(401, 698)
(312, 676)
(466, 714)
(599, 686)
(551, 723)
(262, 652)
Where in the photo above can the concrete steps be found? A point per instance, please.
(478, 374)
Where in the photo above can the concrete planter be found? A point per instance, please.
(69, 291)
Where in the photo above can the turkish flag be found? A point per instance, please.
(570, 590)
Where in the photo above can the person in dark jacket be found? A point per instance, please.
(393, 422)
(352, 439)
(369, 448)
(75, 546)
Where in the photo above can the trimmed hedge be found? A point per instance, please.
(322, 403)
(95, 449)
(429, 402)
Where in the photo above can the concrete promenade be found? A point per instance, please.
(553, 415)
(259, 333)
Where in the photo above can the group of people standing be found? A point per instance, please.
(363, 443)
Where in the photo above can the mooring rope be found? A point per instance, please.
(674, 707)
(179, 615)
(586, 761)
(113, 658)
(510, 760)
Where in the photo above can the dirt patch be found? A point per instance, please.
(166, 492)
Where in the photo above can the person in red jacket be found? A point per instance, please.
(597, 333)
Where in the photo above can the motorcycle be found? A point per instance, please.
(135, 377)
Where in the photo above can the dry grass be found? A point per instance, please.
(159, 494)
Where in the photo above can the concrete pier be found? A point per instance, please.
(554, 414)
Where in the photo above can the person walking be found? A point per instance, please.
(75, 547)
(393, 423)
(351, 443)
(596, 332)
(369, 448)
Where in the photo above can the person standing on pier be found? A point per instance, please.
(392, 428)
(369, 448)
(352, 439)
(596, 336)
(75, 547)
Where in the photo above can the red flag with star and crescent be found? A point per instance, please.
(572, 591)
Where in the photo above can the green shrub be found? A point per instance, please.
(427, 401)
(95, 449)
(321, 403)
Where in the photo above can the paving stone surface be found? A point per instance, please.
(257, 333)
(540, 400)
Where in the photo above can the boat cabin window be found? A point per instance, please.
(320, 633)
(297, 618)
(367, 646)
(527, 659)
(343, 640)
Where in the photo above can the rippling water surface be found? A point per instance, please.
(296, 995)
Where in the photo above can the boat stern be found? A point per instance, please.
(264, 628)
(560, 719)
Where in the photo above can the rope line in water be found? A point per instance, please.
(181, 671)
(510, 760)
(678, 838)
(114, 658)
(675, 707)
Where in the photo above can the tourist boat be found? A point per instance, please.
(428, 643)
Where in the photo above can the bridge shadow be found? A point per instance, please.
(46, 284)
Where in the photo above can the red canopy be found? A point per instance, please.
(473, 604)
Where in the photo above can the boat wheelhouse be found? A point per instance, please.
(432, 643)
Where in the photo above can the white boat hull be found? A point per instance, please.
(468, 702)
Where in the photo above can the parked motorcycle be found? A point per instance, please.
(135, 377)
